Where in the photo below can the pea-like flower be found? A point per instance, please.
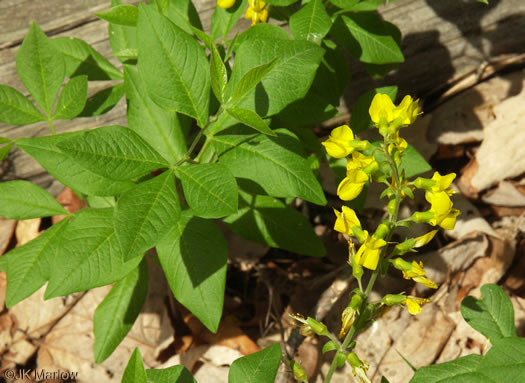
(414, 271)
(414, 304)
(225, 3)
(346, 220)
(441, 206)
(359, 368)
(356, 175)
(257, 11)
(368, 253)
(338, 144)
(383, 111)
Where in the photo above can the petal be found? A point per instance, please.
(381, 107)
(424, 239)
(370, 258)
(336, 150)
(350, 217)
(342, 133)
(349, 190)
(413, 307)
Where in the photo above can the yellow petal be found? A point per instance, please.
(424, 239)
(348, 189)
(426, 281)
(336, 150)
(342, 133)
(381, 107)
(225, 3)
(413, 307)
(370, 258)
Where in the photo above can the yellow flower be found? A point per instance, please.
(424, 239)
(407, 111)
(352, 185)
(359, 368)
(442, 183)
(399, 143)
(414, 271)
(368, 253)
(414, 304)
(441, 207)
(382, 107)
(382, 110)
(338, 144)
(257, 11)
(225, 3)
(346, 220)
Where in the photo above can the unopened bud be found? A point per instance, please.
(393, 299)
(381, 231)
(298, 372)
(422, 216)
(317, 327)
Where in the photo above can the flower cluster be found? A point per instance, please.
(257, 10)
(380, 162)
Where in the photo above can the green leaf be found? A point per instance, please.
(251, 119)
(16, 109)
(173, 66)
(177, 374)
(59, 165)
(360, 118)
(218, 74)
(117, 313)
(40, 67)
(31, 264)
(5, 140)
(145, 214)
(484, 1)
(261, 31)
(163, 6)
(161, 128)
(103, 101)
(121, 14)
(223, 20)
(24, 200)
(362, 5)
(344, 4)
(311, 22)
(322, 99)
(413, 163)
(250, 81)
(122, 38)
(89, 255)
(277, 164)
(260, 367)
(368, 38)
(282, 3)
(505, 361)
(4, 150)
(210, 189)
(493, 315)
(72, 99)
(267, 220)
(183, 14)
(460, 370)
(134, 372)
(113, 152)
(82, 59)
(127, 54)
(285, 83)
(193, 257)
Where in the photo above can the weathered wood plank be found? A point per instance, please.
(442, 40)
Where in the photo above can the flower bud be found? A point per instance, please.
(317, 327)
(393, 299)
(382, 231)
(359, 145)
(424, 183)
(422, 216)
(298, 372)
(404, 247)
